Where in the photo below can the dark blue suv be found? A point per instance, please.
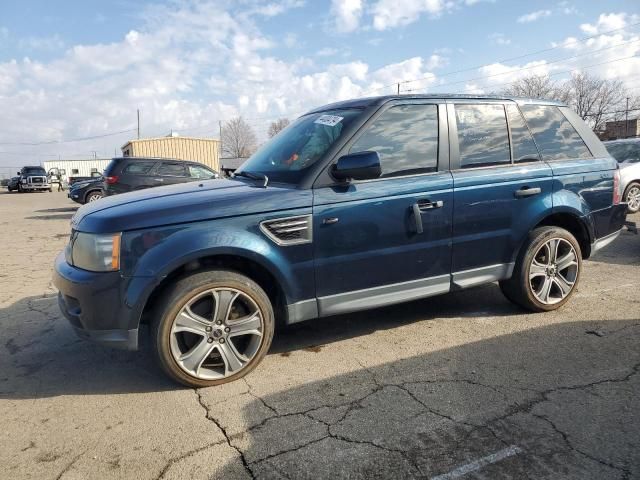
(355, 205)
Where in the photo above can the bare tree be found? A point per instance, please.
(595, 99)
(238, 138)
(538, 86)
(276, 126)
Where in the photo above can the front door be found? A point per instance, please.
(387, 240)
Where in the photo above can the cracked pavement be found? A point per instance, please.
(411, 391)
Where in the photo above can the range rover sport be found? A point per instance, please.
(355, 205)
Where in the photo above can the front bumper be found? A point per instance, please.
(92, 302)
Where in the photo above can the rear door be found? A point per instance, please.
(169, 173)
(134, 175)
(582, 168)
(500, 187)
(387, 240)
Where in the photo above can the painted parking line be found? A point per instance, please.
(481, 462)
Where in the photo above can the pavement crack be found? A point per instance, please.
(224, 432)
(70, 464)
(259, 398)
(188, 454)
(565, 437)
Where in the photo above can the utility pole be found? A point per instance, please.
(138, 124)
(626, 120)
(398, 88)
(220, 132)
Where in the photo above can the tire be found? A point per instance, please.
(50, 190)
(92, 196)
(542, 280)
(176, 344)
(633, 190)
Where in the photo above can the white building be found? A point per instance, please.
(77, 168)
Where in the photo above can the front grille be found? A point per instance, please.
(35, 180)
(289, 231)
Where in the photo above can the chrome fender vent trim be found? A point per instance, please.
(289, 230)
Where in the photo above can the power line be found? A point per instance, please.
(55, 142)
(510, 59)
(534, 66)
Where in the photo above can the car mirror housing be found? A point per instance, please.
(358, 166)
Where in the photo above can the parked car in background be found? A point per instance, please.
(86, 191)
(33, 179)
(75, 179)
(126, 174)
(355, 205)
(627, 153)
(12, 184)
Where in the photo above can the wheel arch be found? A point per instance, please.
(238, 262)
(578, 226)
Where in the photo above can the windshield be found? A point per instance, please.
(624, 152)
(34, 171)
(287, 156)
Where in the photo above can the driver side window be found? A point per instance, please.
(406, 139)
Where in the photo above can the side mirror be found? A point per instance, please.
(357, 166)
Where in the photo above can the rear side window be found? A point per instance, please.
(171, 170)
(138, 168)
(555, 136)
(406, 138)
(196, 171)
(524, 149)
(482, 135)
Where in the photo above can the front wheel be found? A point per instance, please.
(212, 327)
(547, 270)
(632, 197)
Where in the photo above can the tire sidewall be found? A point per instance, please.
(183, 291)
(87, 198)
(626, 194)
(537, 238)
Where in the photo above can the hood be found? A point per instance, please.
(184, 203)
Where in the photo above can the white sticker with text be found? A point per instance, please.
(328, 120)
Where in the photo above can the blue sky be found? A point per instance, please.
(73, 69)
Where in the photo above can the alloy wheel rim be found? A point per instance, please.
(216, 333)
(633, 198)
(553, 271)
(94, 197)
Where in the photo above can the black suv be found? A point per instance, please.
(134, 173)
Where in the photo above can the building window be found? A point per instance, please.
(74, 171)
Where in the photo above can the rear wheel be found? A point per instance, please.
(632, 197)
(212, 328)
(546, 272)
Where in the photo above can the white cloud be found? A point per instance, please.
(185, 67)
(533, 16)
(346, 14)
(393, 13)
(609, 21)
(499, 39)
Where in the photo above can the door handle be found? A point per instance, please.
(527, 192)
(417, 217)
(424, 205)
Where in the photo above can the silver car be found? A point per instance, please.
(627, 153)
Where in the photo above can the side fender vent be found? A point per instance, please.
(289, 231)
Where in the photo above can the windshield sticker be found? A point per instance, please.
(328, 120)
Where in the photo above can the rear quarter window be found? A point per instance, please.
(555, 136)
(138, 168)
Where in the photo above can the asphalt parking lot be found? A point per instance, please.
(463, 385)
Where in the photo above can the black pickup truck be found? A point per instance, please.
(33, 179)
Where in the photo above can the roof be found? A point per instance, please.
(373, 101)
(170, 138)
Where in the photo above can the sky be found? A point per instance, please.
(73, 73)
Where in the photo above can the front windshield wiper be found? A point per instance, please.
(253, 176)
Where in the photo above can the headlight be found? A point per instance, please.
(94, 252)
